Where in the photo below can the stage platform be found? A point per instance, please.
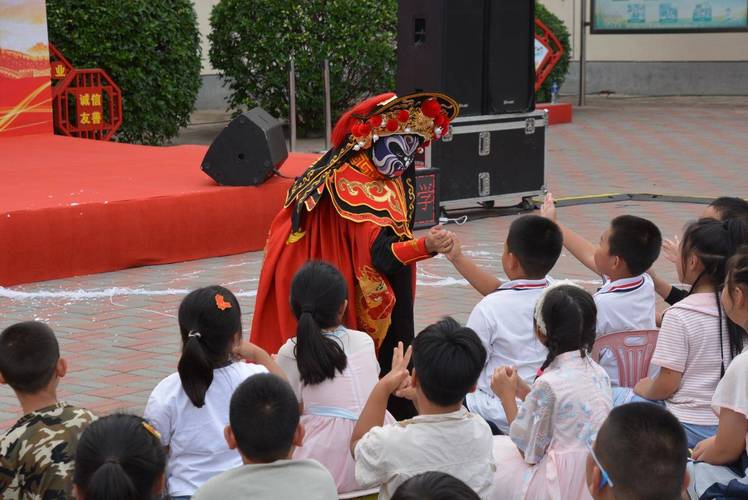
(73, 206)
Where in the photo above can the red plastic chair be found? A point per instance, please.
(633, 351)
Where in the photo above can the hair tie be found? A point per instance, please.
(305, 310)
(111, 460)
(152, 430)
(194, 334)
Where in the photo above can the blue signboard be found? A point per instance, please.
(668, 16)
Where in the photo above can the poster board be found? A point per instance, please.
(25, 85)
(668, 16)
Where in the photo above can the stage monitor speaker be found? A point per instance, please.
(509, 82)
(247, 151)
(440, 48)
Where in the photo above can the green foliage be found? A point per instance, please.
(558, 74)
(252, 41)
(150, 48)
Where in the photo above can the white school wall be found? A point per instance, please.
(632, 64)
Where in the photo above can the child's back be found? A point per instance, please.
(37, 453)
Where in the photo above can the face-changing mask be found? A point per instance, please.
(392, 155)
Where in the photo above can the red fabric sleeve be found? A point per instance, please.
(410, 251)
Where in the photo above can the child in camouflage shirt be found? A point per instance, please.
(38, 452)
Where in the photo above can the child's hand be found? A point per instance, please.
(250, 352)
(504, 382)
(398, 376)
(438, 240)
(701, 447)
(671, 250)
(456, 250)
(548, 209)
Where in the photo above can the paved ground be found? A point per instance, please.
(119, 331)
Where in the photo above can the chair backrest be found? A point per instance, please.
(632, 350)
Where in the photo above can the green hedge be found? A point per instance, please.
(557, 26)
(150, 48)
(252, 41)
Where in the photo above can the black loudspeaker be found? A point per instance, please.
(440, 48)
(480, 52)
(247, 151)
(509, 82)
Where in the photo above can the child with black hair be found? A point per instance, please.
(626, 299)
(640, 454)
(265, 428)
(503, 319)
(544, 455)
(722, 209)
(330, 368)
(721, 470)
(36, 453)
(434, 486)
(189, 408)
(696, 344)
(444, 437)
(119, 457)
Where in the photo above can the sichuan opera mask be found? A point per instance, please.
(394, 154)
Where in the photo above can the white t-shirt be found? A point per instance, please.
(457, 443)
(197, 447)
(732, 390)
(624, 305)
(504, 323)
(688, 343)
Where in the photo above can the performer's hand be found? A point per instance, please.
(548, 209)
(399, 372)
(456, 250)
(438, 240)
(504, 382)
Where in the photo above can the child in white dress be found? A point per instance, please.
(331, 369)
(545, 454)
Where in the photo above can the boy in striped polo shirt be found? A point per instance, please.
(503, 320)
(626, 300)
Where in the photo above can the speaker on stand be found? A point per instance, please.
(248, 151)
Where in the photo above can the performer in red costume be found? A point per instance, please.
(354, 209)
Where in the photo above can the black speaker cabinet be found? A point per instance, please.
(247, 151)
(497, 159)
(480, 52)
(440, 48)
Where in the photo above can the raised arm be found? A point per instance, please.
(479, 279)
(583, 250)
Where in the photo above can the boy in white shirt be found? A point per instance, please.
(503, 320)
(626, 300)
(444, 437)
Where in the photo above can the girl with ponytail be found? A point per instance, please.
(547, 447)
(190, 408)
(697, 341)
(331, 369)
(119, 457)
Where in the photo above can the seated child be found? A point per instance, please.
(626, 300)
(190, 408)
(695, 345)
(722, 209)
(331, 369)
(434, 486)
(264, 427)
(721, 459)
(545, 454)
(444, 437)
(503, 319)
(120, 457)
(36, 453)
(640, 453)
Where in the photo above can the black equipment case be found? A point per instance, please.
(490, 160)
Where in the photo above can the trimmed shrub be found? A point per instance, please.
(557, 26)
(252, 41)
(150, 48)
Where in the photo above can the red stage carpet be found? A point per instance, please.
(73, 206)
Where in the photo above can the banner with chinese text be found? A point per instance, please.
(25, 94)
(662, 16)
